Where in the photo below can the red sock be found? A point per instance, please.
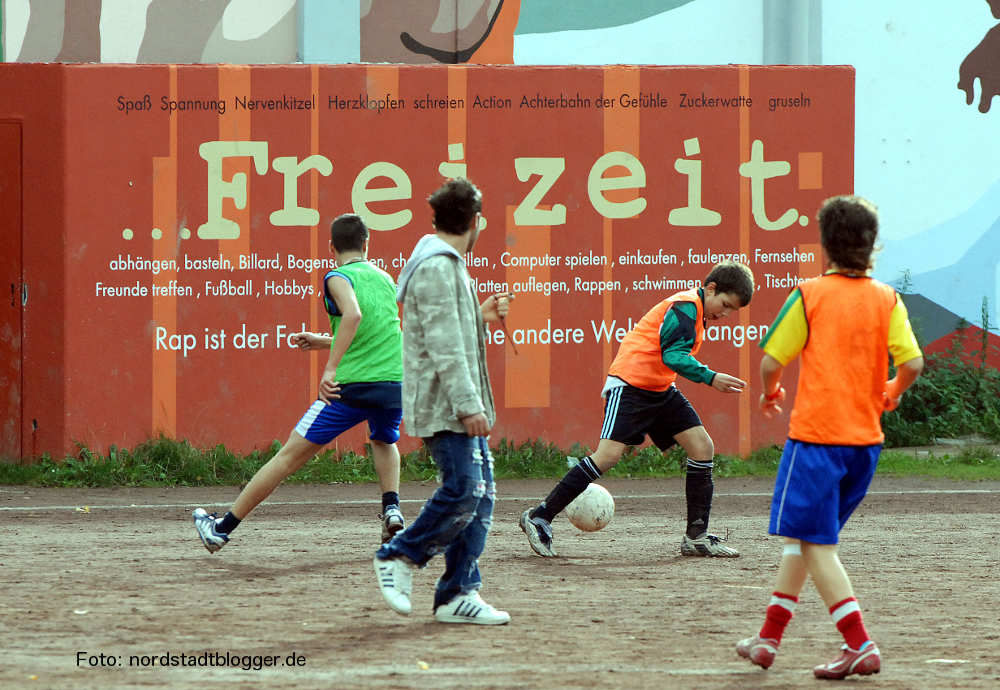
(779, 612)
(847, 617)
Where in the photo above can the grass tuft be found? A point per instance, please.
(166, 462)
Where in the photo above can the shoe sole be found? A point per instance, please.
(528, 528)
(867, 671)
(700, 551)
(474, 621)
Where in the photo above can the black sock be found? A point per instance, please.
(698, 488)
(568, 488)
(228, 523)
(389, 498)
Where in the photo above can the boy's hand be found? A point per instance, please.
(496, 307)
(892, 396)
(329, 389)
(310, 341)
(770, 405)
(728, 384)
(476, 424)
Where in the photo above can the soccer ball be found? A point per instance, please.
(591, 510)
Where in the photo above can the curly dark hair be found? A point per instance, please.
(848, 229)
(455, 204)
(733, 277)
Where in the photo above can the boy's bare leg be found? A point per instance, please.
(608, 454)
(292, 456)
(697, 444)
(831, 580)
(792, 572)
(385, 457)
(827, 572)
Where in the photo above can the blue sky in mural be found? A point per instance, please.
(925, 157)
(689, 35)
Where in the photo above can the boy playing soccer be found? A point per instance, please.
(641, 398)
(842, 324)
(361, 381)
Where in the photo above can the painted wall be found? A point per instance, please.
(925, 143)
(175, 227)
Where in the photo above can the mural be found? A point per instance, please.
(924, 118)
(150, 31)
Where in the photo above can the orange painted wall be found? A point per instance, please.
(103, 179)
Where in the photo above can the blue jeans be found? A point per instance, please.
(456, 519)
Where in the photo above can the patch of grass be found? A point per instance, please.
(974, 463)
(165, 462)
(957, 395)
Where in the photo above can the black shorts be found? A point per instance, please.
(630, 413)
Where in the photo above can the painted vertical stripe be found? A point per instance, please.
(317, 318)
(164, 362)
(621, 133)
(745, 400)
(234, 80)
(527, 375)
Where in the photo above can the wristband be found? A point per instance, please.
(771, 397)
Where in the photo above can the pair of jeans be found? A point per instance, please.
(456, 519)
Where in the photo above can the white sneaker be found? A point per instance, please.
(204, 524)
(392, 522)
(395, 579)
(470, 608)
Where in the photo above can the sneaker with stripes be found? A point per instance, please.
(470, 608)
(205, 524)
(864, 662)
(392, 522)
(707, 545)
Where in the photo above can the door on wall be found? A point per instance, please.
(11, 311)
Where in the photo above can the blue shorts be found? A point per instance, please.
(818, 487)
(324, 422)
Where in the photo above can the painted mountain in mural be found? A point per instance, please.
(954, 264)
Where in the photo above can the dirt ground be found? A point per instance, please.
(98, 588)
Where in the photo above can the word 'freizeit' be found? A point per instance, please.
(531, 212)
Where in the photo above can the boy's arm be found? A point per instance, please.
(774, 393)
(311, 341)
(676, 341)
(905, 354)
(906, 374)
(783, 342)
(343, 294)
(677, 333)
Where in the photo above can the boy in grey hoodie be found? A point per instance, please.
(448, 402)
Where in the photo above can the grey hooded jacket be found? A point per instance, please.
(444, 342)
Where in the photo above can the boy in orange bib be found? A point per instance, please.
(842, 325)
(641, 399)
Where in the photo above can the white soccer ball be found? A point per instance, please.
(591, 510)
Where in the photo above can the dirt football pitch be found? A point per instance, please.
(105, 588)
